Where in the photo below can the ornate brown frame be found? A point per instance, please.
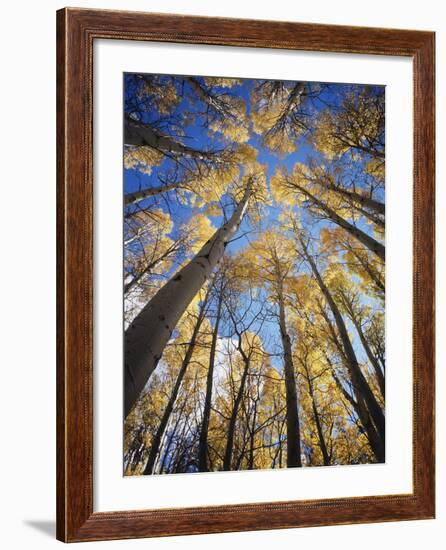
(76, 31)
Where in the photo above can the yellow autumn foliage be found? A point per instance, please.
(142, 158)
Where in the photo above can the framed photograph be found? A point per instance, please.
(245, 275)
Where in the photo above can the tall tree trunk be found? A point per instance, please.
(317, 420)
(165, 448)
(214, 103)
(156, 442)
(293, 428)
(371, 356)
(365, 202)
(374, 276)
(175, 460)
(292, 102)
(376, 443)
(227, 459)
(374, 218)
(358, 380)
(369, 242)
(136, 196)
(141, 134)
(252, 435)
(203, 442)
(148, 334)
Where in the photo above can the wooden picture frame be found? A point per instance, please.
(76, 31)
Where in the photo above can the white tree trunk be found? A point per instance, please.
(372, 244)
(139, 134)
(292, 410)
(148, 334)
(131, 198)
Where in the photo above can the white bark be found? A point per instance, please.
(139, 134)
(131, 198)
(148, 334)
(372, 244)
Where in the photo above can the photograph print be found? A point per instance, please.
(254, 274)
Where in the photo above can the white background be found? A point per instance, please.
(112, 491)
(28, 254)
